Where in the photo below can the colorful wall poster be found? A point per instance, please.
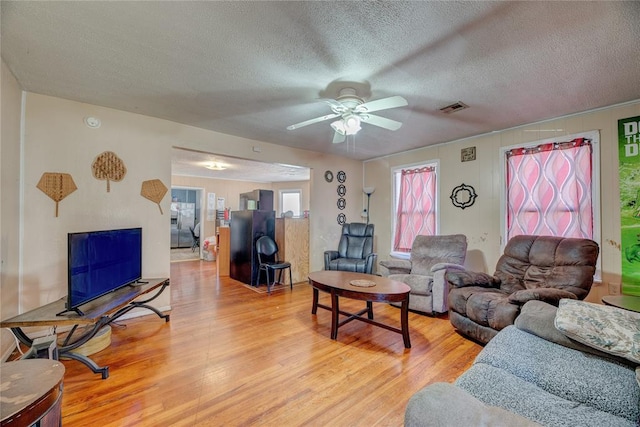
(629, 154)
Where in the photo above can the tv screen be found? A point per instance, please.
(102, 261)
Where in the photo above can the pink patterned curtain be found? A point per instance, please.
(416, 207)
(549, 190)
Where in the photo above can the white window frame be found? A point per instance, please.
(281, 194)
(395, 188)
(594, 136)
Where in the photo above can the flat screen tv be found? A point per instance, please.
(100, 262)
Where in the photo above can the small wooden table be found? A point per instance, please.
(31, 393)
(627, 302)
(338, 284)
(96, 314)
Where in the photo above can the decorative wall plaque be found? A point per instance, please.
(109, 167)
(328, 176)
(342, 218)
(342, 190)
(463, 196)
(468, 154)
(57, 186)
(342, 203)
(342, 176)
(155, 190)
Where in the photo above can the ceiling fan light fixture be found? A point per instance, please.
(338, 126)
(352, 124)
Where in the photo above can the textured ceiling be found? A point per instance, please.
(252, 68)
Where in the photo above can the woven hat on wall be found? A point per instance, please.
(57, 186)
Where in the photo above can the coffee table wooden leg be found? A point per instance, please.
(314, 307)
(335, 312)
(404, 322)
(370, 310)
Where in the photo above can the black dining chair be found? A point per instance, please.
(269, 262)
(196, 240)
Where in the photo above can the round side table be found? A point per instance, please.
(627, 302)
(31, 392)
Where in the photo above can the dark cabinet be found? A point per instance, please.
(245, 228)
(257, 200)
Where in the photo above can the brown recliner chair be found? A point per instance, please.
(542, 268)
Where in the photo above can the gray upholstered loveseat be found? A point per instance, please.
(531, 374)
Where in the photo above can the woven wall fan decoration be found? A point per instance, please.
(154, 190)
(108, 166)
(57, 186)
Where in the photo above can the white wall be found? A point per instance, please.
(481, 222)
(11, 97)
(57, 140)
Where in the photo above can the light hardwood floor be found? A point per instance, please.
(233, 357)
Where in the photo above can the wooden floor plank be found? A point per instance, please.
(230, 356)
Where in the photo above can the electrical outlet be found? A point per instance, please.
(614, 288)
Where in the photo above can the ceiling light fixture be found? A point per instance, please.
(214, 166)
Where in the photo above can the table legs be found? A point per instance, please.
(404, 322)
(336, 312)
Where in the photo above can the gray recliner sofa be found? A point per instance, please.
(530, 374)
(545, 268)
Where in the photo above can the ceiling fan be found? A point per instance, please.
(352, 110)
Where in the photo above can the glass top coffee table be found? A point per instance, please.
(363, 287)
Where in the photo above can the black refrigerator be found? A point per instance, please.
(245, 228)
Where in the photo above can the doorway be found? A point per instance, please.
(185, 223)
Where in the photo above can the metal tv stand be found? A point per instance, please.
(95, 315)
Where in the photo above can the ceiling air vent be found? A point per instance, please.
(457, 106)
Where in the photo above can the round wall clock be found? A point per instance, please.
(342, 177)
(342, 190)
(463, 196)
(328, 176)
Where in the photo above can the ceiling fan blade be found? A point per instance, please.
(381, 104)
(382, 122)
(312, 121)
(338, 138)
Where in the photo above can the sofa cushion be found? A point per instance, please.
(420, 285)
(563, 372)
(426, 251)
(537, 317)
(438, 405)
(606, 328)
(497, 387)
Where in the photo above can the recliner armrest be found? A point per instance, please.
(460, 279)
(371, 262)
(397, 266)
(329, 256)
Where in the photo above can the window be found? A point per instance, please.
(415, 205)
(551, 188)
(290, 201)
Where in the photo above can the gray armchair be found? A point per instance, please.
(355, 250)
(424, 272)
